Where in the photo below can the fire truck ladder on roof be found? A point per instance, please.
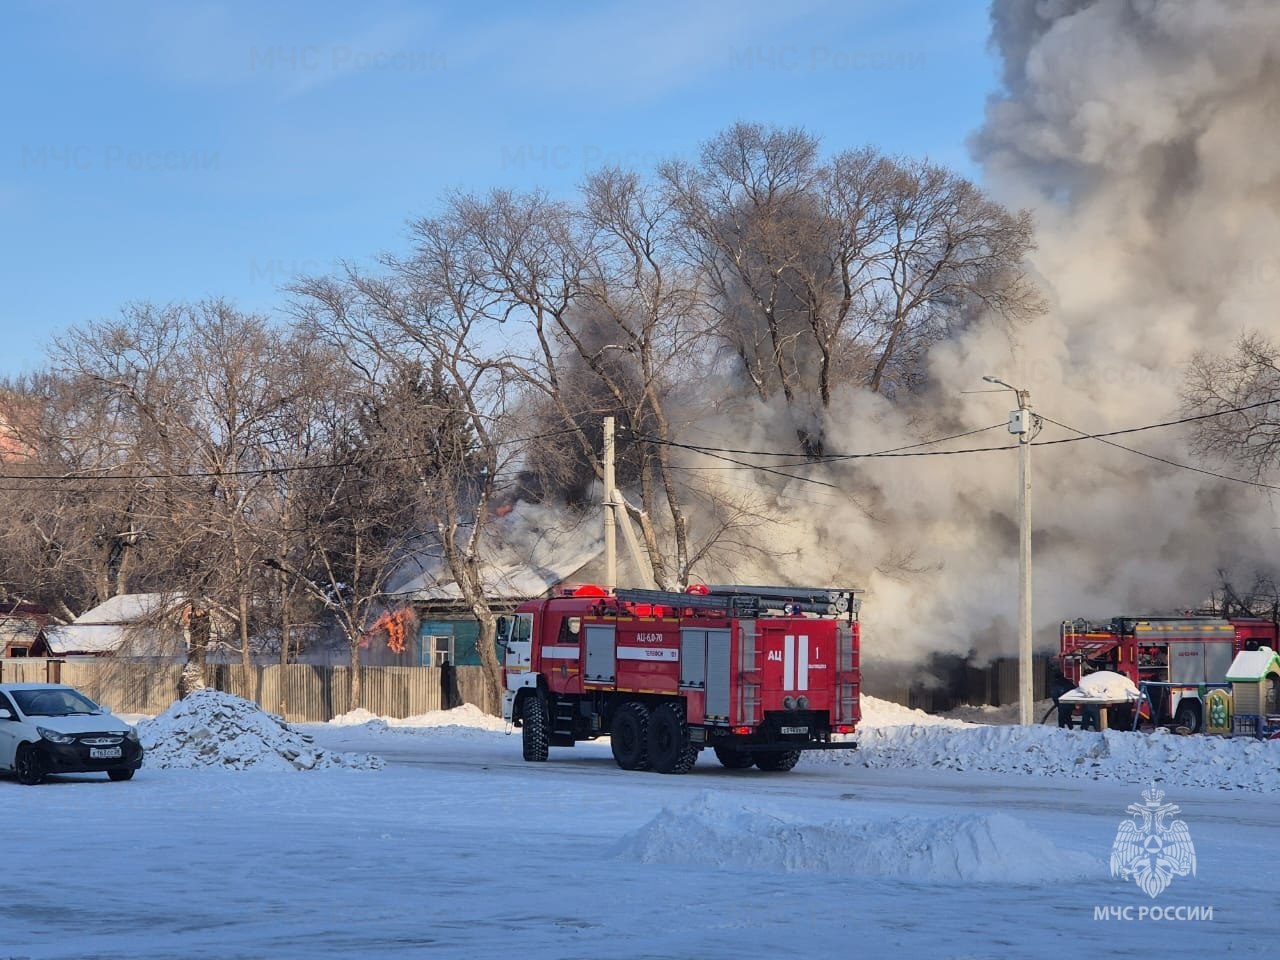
(751, 601)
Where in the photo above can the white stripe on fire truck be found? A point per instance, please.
(559, 653)
(795, 669)
(648, 653)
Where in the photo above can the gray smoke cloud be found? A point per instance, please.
(1146, 137)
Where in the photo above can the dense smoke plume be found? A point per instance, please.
(1146, 137)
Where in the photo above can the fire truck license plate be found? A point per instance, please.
(791, 730)
(104, 753)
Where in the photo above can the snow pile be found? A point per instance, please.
(215, 729)
(886, 713)
(721, 832)
(357, 717)
(464, 720)
(1237, 763)
(1104, 685)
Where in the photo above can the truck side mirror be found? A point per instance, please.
(5, 714)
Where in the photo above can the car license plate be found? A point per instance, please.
(104, 753)
(791, 730)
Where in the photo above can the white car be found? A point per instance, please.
(53, 728)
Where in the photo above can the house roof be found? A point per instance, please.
(83, 638)
(106, 627)
(511, 578)
(128, 608)
(18, 630)
(1253, 665)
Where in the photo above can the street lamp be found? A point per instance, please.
(1020, 425)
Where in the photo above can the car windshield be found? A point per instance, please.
(53, 703)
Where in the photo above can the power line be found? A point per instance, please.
(910, 449)
(831, 457)
(1100, 437)
(240, 472)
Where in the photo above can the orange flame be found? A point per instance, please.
(396, 624)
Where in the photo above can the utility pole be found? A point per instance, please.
(1020, 426)
(610, 528)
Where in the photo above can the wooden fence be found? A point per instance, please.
(316, 693)
(299, 692)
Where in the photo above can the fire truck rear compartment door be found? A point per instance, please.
(704, 665)
(1217, 660)
(1186, 661)
(693, 657)
(717, 673)
(601, 663)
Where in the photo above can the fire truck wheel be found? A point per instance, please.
(629, 736)
(669, 748)
(534, 728)
(1188, 715)
(779, 762)
(733, 758)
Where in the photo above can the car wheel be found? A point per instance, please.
(1188, 716)
(124, 773)
(779, 762)
(30, 765)
(534, 723)
(629, 736)
(734, 759)
(669, 748)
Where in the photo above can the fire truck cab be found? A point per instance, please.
(758, 674)
(1173, 656)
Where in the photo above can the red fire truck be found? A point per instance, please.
(759, 674)
(1174, 657)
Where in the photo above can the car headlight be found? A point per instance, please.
(131, 734)
(53, 736)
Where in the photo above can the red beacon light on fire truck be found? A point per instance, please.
(698, 589)
(590, 590)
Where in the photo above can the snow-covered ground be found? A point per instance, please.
(936, 839)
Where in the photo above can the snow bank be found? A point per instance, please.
(722, 832)
(468, 715)
(1219, 763)
(215, 729)
(886, 713)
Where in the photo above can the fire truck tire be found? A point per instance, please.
(534, 724)
(779, 762)
(669, 748)
(629, 736)
(734, 759)
(1188, 715)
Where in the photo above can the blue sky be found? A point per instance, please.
(164, 152)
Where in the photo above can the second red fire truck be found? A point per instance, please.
(757, 674)
(1174, 657)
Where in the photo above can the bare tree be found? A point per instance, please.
(359, 520)
(848, 269)
(1222, 384)
(73, 526)
(426, 324)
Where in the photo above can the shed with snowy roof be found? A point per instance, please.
(126, 625)
(1254, 676)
